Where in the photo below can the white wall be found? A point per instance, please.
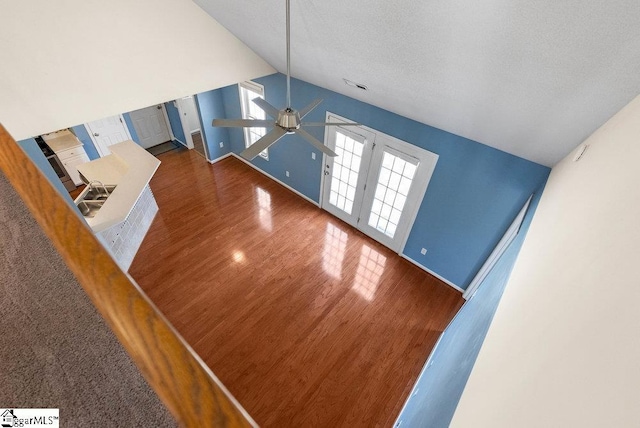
(564, 347)
(67, 62)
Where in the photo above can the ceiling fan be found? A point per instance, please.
(286, 120)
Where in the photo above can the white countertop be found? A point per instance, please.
(61, 140)
(130, 168)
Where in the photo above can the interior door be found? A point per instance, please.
(376, 183)
(346, 174)
(108, 131)
(151, 125)
(190, 121)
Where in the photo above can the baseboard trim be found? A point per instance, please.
(276, 180)
(219, 159)
(446, 281)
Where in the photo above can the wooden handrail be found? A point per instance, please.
(183, 382)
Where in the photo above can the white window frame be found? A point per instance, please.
(245, 99)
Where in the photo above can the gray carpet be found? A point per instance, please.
(56, 350)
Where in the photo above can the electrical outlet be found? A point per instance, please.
(423, 251)
(286, 173)
(313, 155)
(221, 144)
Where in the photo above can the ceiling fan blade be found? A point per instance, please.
(315, 143)
(242, 123)
(329, 124)
(305, 111)
(268, 108)
(271, 137)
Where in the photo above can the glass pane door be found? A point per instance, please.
(346, 169)
(394, 182)
(376, 183)
(346, 174)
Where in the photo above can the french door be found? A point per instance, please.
(376, 183)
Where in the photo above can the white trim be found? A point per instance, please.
(427, 364)
(203, 135)
(446, 281)
(219, 158)
(185, 128)
(274, 179)
(258, 89)
(167, 123)
(497, 252)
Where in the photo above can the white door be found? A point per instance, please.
(190, 120)
(346, 174)
(376, 183)
(108, 131)
(191, 113)
(151, 125)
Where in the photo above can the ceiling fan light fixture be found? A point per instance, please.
(284, 121)
(355, 85)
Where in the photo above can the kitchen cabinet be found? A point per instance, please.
(69, 151)
(71, 163)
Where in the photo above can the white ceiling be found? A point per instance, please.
(532, 78)
(70, 62)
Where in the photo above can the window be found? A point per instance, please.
(394, 183)
(248, 92)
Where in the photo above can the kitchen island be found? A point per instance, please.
(126, 214)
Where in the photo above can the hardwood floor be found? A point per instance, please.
(304, 319)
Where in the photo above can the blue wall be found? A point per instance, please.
(81, 132)
(474, 193)
(440, 385)
(132, 130)
(175, 122)
(210, 105)
(33, 151)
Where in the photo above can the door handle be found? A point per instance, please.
(326, 173)
(95, 134)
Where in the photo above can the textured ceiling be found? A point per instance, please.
(532, 78)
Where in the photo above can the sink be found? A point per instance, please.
(89, 208)
(97, 193)
(92, 198)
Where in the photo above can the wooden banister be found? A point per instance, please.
(187, 387)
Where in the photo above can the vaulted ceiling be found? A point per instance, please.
(532, 78)
(70, 62)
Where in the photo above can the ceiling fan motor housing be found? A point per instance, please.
(289, 119)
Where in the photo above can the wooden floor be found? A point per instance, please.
(307, 322)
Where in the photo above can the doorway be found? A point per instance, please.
(191, 125)
(376, 183)
(106, 132)
(151, 125)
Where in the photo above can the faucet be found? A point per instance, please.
(104, 188)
